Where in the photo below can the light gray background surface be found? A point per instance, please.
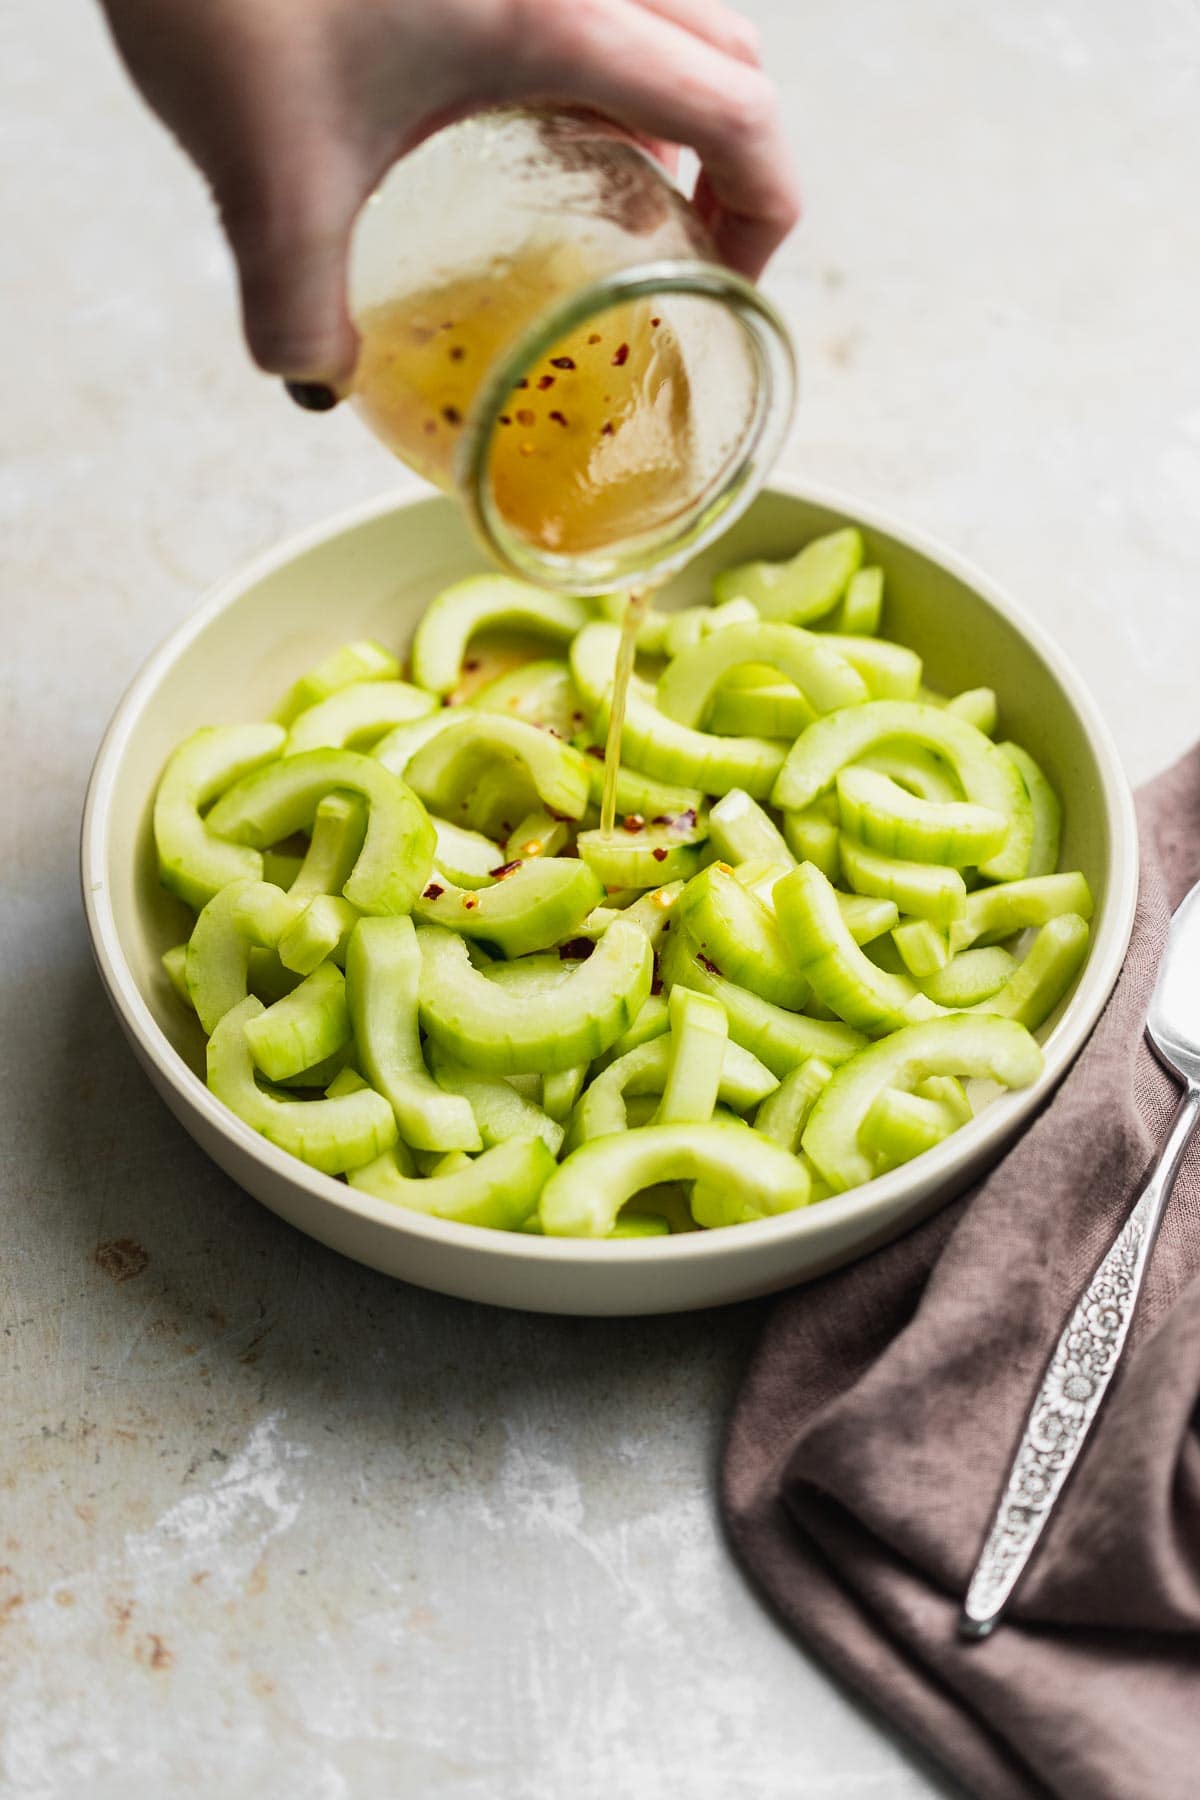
(269, 1523)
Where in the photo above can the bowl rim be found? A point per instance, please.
(979, 1142)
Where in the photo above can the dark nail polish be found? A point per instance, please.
(313, 396)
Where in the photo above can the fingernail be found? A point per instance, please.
(313, 396)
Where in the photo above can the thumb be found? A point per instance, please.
(290, 236)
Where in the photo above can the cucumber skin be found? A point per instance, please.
(193, 863)
(544, 900)
(499, 1190)
(478, 603)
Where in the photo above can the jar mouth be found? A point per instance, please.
(653, 555)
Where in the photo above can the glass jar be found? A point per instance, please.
(546, 333)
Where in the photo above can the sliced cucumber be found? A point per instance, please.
(561, 1090)
(923, 949)
(605, 1106)
(481, 1024)
(485, 603)
(174, 962)
(383, 975)
(652, 912)
(652, 1020)
(642, 794)
(398, 748)
(646, 858)
(192, 862)
(889, 671)
(535, 905)
(322, 930)
(784, 1113)
(281, 867)
(923, 889)
(913, 767)
(696, 1046)
(740, 831)
(304, 1028)
(1037, 984)
(332, 1135)
(840, 974)
(812, 836)
(987, 777)
(357, 716)
(500, 1112)
(741, 936)
(978, 706)
(769, 708)
(900, 1125)
(779, 1038)
(806, 587)
(688, 684)
(660, 746)
(362, 660)
(633, 1224)
(1047, 813)
(499, 1189)
(888, 819)
(970, 1045)
(446, 769)
(541, 693)
(970, 977)
(217, 968)
(397, 854)
(585, 1194)
(999, 911)
(537, 834)
(861, 609)
(467, 857)
(339, 828)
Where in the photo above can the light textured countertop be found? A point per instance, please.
(269, 1523)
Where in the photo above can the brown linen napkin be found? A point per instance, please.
(876, 1423)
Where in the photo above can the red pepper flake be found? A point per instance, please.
(596, 750)
(433, 892)
(633, 822)
(666, 924)
(562, 362)
(559, 418)
(452, 415)
(620, 356)
(506, 418)
(606, 430)
(576, 949)
(470, 902)
(522, 383)
(457, 353)
(707, 963)
(593, 337)
(545, 381)
(526, 417)
(430, 427)
(562, 818)
(505, 869)
(656, 323)
(471, 664)
(656, 986)
(658, 853)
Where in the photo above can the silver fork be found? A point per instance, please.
(1090, 1347)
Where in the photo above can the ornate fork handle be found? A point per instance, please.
(1072, 1390)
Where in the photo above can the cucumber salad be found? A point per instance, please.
(830, 901)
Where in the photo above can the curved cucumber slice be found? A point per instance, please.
(978, 706)
(861, 610)
(383, 974)
(888, 819)
(1002, 910)
(987, 778)
(357, 716)
(696, 1045)
(304, 1028)
(740, 831)
(338, 830)
(742, 1081)
(481, 1024)
(923, 948)
(361, 660)
(779, 1038)
(332, 1135)
(784, 1113)
(661, 747)
(771, 709)
(536, 974)
(866, 918)
(638, 793)
(561, 1090)
(534, 906)
(537, 834)
(191, 861)
(398, 748)
(685, 628)
(584, 1195)
(450, 764)
(541, 693)
(1047, 813)
(499, 1189)
(244, 913)
(484, 603)
(741, 936)
(840, 974)
(631, 1224)
(889, 671)
(812, 836)
(467, 857)
(322, 930)
(899, 1126)
(397, 854)
(652, 1020)
(657, 854)
(960, 1044)
(970, 977)
(500, 1112)
(806, 587)
(923, 889)
(1037, 985)
(688, 684)
(323, 1075)
(174, 962)
(913, 767)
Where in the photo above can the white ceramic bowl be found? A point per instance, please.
(370, 573)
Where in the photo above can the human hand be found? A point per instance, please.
(295, 109)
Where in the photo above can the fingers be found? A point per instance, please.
(656, 77)
(718, 25)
